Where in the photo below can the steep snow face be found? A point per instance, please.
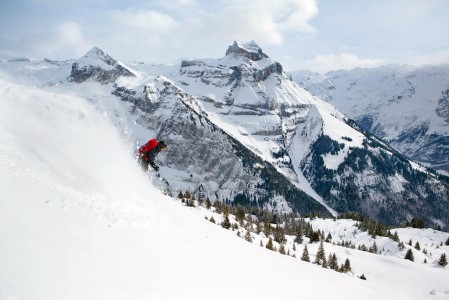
(82, 222)
(406, 106)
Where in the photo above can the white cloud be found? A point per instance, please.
(265, 21)
(160, 31)
(148, 20)
(344, 60)
(70, 34)
(64, 41)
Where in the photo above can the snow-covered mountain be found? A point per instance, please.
(240, 130)
(406, 106)
(78, 220)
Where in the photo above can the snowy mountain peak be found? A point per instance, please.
(100, 66)
(96, 56)
(249, 50)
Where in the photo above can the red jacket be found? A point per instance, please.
(143, 151)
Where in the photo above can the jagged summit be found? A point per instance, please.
(249, 50)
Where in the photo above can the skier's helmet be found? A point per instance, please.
(162, 145)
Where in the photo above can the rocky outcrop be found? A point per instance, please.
(249, 50)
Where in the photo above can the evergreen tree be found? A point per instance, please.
(180, 195)
(279, 235)
(395, 237)
(374, 249)
(305, 254)
(298, 236)
(282, 249)
(294, 247)
(218, 207)
(363, 277)
(208, 204)
(347, 266)
(212, 219)
(266, 228)
(324, 262)
(447, 242)
(410, 242)
(269, 245)
(248, 236)
(443, 260)
(191, 201)
(240, 215)
(320, 254)
(409, 255)
(258, 227)
(314, 236)
(333, 263)
(417, 246)
(226, 223)
(329, 238)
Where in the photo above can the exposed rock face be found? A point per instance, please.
(206, 158)
(249, 50)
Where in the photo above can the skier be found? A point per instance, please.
(148, 152)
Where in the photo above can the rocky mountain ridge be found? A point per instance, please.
(241, 131)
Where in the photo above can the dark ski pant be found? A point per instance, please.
(143, 163)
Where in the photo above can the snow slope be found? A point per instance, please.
(78, 220)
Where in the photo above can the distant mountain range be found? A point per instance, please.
(239, 129)
(408, 107)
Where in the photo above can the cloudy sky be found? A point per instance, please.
(319, 35)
